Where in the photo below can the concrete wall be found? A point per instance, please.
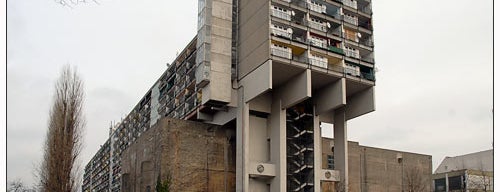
(197, 156)
(253, 33)
(375, 169)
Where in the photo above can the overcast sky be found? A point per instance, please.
(433, 91)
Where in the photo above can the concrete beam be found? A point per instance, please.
(360, 103)
(223, 117)
(262, 103)
(258, 81)
(330, 97)
(296, 90)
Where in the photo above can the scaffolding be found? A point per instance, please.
(300, 147)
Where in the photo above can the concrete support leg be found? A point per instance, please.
(278, 144)
(242, 136)
(317, 153)
(340, 145)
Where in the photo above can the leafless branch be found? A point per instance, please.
(63, 144)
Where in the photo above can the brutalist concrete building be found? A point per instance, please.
(271, 71)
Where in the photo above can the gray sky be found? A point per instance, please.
(434, 84)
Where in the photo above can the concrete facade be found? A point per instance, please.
(376, 169)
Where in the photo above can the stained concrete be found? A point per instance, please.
(197, 156)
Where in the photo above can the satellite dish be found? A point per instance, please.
(293, 13)
(290, 30)
(328, 24)
(359, 35)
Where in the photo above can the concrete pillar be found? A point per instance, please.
(447, 183)
(317, 153)
(278, 144)
(242, 136)
(340, 145)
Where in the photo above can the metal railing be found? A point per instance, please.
(281, 14)
(281, 33)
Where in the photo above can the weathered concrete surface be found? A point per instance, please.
(375, 169)
(197, 156)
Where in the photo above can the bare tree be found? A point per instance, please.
(479, 181)
(63, 143)
(340, 186)
(72, 3)
(415, 181)
(18, 186)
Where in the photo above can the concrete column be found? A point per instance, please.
(242, 136)
(278, 144)
(340, 145)
(447, 184)
(317, 153)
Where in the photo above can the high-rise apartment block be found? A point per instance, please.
(274, 70)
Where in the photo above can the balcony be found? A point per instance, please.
(285, 15)
(316, 7)
(317, 25)
(322, 43)
(351, 3)
(351, 19)
(280, 32)
(336, 50)
(352, 70)
(367, 9)
(281, 52)
(320, 62)
(367, 59)
(351, 53)
(367, 42)
(368, 76)
(337, 32)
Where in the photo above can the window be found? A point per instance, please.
(330, 163)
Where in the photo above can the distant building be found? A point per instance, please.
(470, 172)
